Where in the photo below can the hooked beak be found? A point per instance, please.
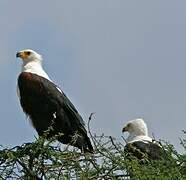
(124, 129)
(18, 54)
(21, 54)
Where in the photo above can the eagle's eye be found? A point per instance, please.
(27, 53)
(129, 125)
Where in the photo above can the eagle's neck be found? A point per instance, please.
(133, 137)
(35, 67)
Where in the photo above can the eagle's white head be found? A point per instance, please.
(29, 55)
(137, 127)
(137, 130)
(32, 62)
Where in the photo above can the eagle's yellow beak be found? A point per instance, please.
(22, 55)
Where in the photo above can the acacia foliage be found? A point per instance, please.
(44, 159)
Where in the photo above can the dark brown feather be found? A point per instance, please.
(142, 149)
(50, 110)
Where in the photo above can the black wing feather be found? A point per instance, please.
(142, 149)
(48, 107)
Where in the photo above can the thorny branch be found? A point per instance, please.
(45, 160)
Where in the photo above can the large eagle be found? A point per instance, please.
(51, 112)
(139, 143)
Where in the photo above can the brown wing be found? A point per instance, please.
(48, 107)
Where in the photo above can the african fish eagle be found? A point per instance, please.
(50, 111)
(139, 143)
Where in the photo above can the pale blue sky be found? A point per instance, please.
(120, 59)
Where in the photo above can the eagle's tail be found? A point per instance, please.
(83, 143)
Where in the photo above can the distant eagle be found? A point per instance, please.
(139, 143)
(51, 112)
